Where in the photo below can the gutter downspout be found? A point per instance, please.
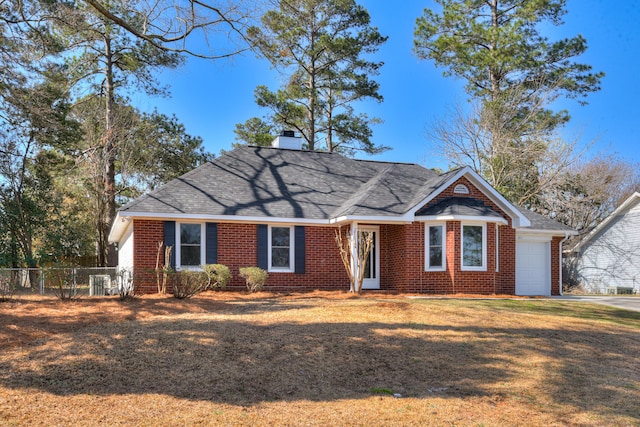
(424, 255)
(560, 266)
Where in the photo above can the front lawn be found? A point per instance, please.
(317, 359)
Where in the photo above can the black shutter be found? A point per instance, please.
(263, 243)
(170, 240)
(211, 244)
(299, 249)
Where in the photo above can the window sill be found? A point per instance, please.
(280, 270)
(473, 269)
(189, 268)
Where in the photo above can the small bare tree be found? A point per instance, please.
(7, 288)
(588, 192)
(162, 273)
(520, 161)
(63, 282)
(125, 280)
(171, 26)
(355, 268)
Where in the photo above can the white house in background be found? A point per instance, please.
(608, 259)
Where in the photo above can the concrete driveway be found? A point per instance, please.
(627, 303)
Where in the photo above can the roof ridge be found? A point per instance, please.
(387, 162)
(626, 204)
(332, 153)
(363, 191)
(432, 185)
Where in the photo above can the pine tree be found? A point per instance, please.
(320, 48)
(513, 74)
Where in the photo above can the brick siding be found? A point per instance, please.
(402, 252)
(323, 266)
(404, 262)
(237, 248)
(146, 236)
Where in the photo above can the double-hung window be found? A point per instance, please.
(435, 238)
(474, 247)
(281, 250)
(190, 239)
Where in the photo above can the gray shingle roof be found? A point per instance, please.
(269, 182)
(280, 183)
(539, 222)
(459, 206)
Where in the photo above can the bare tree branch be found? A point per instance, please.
(169, 26)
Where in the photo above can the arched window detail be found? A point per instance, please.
(461, 189)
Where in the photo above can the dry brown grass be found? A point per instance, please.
(317, 359)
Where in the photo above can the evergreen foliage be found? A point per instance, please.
(71, 145)
(513, 74)
(320, 48)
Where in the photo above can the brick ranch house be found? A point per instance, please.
(279, 208)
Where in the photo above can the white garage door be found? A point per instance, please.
(533, 268)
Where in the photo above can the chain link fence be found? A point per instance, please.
(64, 282)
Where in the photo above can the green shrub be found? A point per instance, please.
(218, 275)
(255, 277)
(188, 283)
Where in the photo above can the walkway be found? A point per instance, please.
(627, 303)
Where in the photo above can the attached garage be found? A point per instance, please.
(533, 266)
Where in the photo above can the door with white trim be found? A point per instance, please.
(372, 265)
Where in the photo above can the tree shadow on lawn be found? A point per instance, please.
(24, 321)
(245, 363)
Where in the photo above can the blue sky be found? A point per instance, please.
(210, 97)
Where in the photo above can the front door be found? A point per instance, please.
(372, 265)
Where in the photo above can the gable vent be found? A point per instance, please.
(461, 189)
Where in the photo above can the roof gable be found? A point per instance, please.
(628, 204)
(390, 192)
(517, 217)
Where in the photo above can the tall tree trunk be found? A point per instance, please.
(329, 110)
(23, 231)
(106, 253)
(311, 119)
(313, 96)
(493, 74)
